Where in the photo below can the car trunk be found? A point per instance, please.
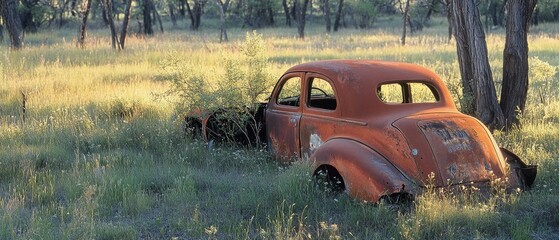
(455, 148)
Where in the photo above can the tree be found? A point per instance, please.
(326, 9)
(495, 10)
(108, 8)
(300, 15)
(339, 13)
(195, 13)
(124, 29)
(222, 10)
(156, 15)
(405, 19)
(13, 23)
(477, 79)
(28, 7)
(448, 9)
(286, 11)
(515, 59)
(146, 11)
(83, 28)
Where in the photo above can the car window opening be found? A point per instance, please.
(407, 92)
(321, 94)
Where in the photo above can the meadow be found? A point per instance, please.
(92, 146)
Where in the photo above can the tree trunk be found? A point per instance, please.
(515, 60)
(338, 15)
(300, 14)
(124, 29)
(13, 23)
(326, 10)
(405, 20)
(73, 7)
(222, 6)
(146, 10)
(108, 7)
(83, 28)
(61, 12)
(190, 14)
(182, 8)
(197, 12)
(172, 14)
(448, 7)
(474, 64)
(286, 11)
(26, 15)
(157, 16)
(271, 16)
(535, 16)
(429, 13)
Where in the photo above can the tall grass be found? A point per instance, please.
(102, 152)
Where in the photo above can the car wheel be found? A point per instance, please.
(329, 179)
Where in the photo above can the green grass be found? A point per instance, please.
(102, 152)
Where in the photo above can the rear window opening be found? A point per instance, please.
(407, 92)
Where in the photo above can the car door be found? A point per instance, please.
(283, 116)
(320, 117)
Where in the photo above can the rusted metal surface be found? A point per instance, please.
(380, 148)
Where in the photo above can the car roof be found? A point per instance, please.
(366, 71)
(357, 81)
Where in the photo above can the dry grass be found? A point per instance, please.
(102, 155)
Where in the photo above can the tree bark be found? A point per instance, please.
(300, 14)
(182, 8)
(448, 7)
(271, 16)
(61, 12)
(157, 16)
(13, 23)
(515, 60)
(172, 14)
(474, 64)
(146, 10)
(222, 10)
(124, 28)
(197, 11)
(83, 28)
(190, 14)
(286, 11)
(430, 10)
(405, 20)
(338, 15)
(326, 10)
(26, 15)
(108, 7)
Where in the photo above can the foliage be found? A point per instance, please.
(259, 13)
(236, 97)
(548, 10)
(364, 11)
(542, 75)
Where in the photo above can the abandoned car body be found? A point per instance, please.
(377, 129)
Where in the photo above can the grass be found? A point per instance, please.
(102, 152)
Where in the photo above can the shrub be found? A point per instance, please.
(233, 99)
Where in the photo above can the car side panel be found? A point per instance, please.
(367, 175)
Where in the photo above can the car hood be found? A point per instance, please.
(451, 148)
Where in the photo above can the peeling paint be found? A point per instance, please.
(315, 142)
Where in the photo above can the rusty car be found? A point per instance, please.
(377, 129)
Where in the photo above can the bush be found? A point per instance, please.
(234, 98)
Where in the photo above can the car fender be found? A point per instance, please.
(367, 174)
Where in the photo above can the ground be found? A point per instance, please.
(100, 151)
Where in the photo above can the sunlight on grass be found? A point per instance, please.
(99, 151)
